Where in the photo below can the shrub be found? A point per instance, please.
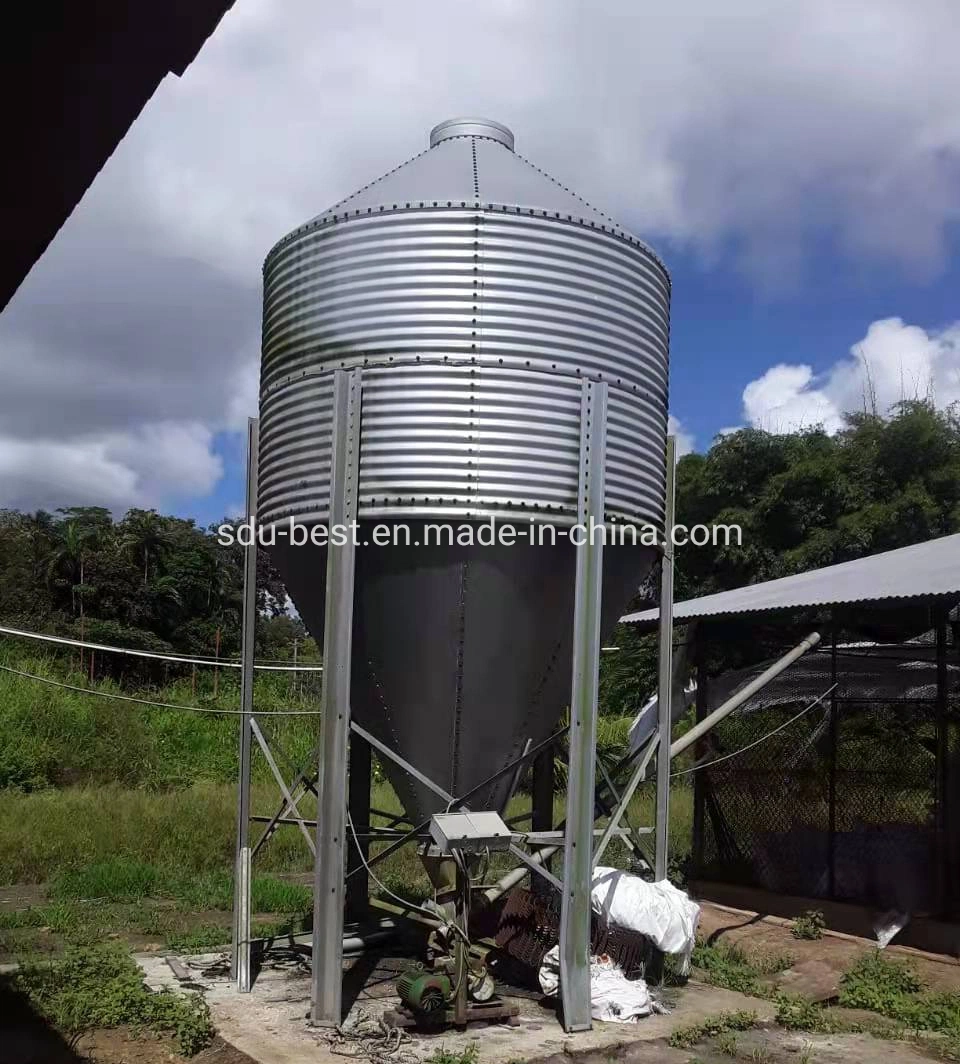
(809, 926)
(101, 986)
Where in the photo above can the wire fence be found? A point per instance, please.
(854, 801)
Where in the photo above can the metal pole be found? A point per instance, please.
(542, 803)
(832, 766)
(330, 865)
(578, 842)
(665, 682)
(240, 966)
(942, 760)
(699, 780)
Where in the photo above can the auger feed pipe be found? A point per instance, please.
(517, 875)
(736, 700)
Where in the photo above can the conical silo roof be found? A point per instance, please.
(471, 162)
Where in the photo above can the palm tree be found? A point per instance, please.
(165, 598)
(68, 555)
(145, 534)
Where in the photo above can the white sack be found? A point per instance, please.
(613, 997)
(658, 910)
(550, 972)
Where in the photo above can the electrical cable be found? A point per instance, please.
(180, 659)
(159, 705)
(756, 742)
(396, 897)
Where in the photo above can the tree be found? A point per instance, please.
(145, 534)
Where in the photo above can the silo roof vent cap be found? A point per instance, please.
(471, 127)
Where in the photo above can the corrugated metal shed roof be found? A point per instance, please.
(923, 570)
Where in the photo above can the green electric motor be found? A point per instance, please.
(424, 992)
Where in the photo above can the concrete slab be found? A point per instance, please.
(813, 979)
(270, 1023)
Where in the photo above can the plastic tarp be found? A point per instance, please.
(658, 910)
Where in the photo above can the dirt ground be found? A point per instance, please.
(128, 1047)
(816, 970)
(770, 935)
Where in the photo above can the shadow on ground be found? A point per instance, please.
(26, 1037)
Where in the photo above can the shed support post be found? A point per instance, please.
(330, 866)
(578, 842)
(699, 780)
(942, 761)
(240, 956)
(832, 783)
(665, 680)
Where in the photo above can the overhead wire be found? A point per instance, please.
(756, 742)
(157, 705)
(434, 916)
(180, 659)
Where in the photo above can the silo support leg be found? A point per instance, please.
(240, 960)
(578, 844)
(665, 678)
(330, 863)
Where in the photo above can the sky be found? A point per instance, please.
(797, 165)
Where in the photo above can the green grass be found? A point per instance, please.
(128, 879)
(728, 966)
(49, 833)
(103, 987)
(127, 814)
(52, 737)
(893, 989)
(713, 1026)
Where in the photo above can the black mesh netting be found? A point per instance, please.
(850, 802)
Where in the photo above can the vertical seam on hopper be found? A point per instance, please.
(458, 704)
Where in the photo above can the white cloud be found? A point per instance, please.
(892, 363)
(245, 395)
(685, 439)
(758, 123)
(116, 470)
(749, 131)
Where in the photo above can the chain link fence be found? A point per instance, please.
(854, 800)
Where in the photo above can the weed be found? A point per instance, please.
(117, 878)
(878, 983)
(469, 1055)
(197, 940)
(15, 919)
(806, 1054)
(727, 1043)
(760, 1055)
(685, 1037)
(729, 967)
(809, 925)
(102, 987)
(800, 1014)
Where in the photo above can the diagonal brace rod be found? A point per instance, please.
(281, 783)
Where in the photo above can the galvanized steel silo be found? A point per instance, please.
(477, 293)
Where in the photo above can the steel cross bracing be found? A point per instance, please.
(340, 873)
